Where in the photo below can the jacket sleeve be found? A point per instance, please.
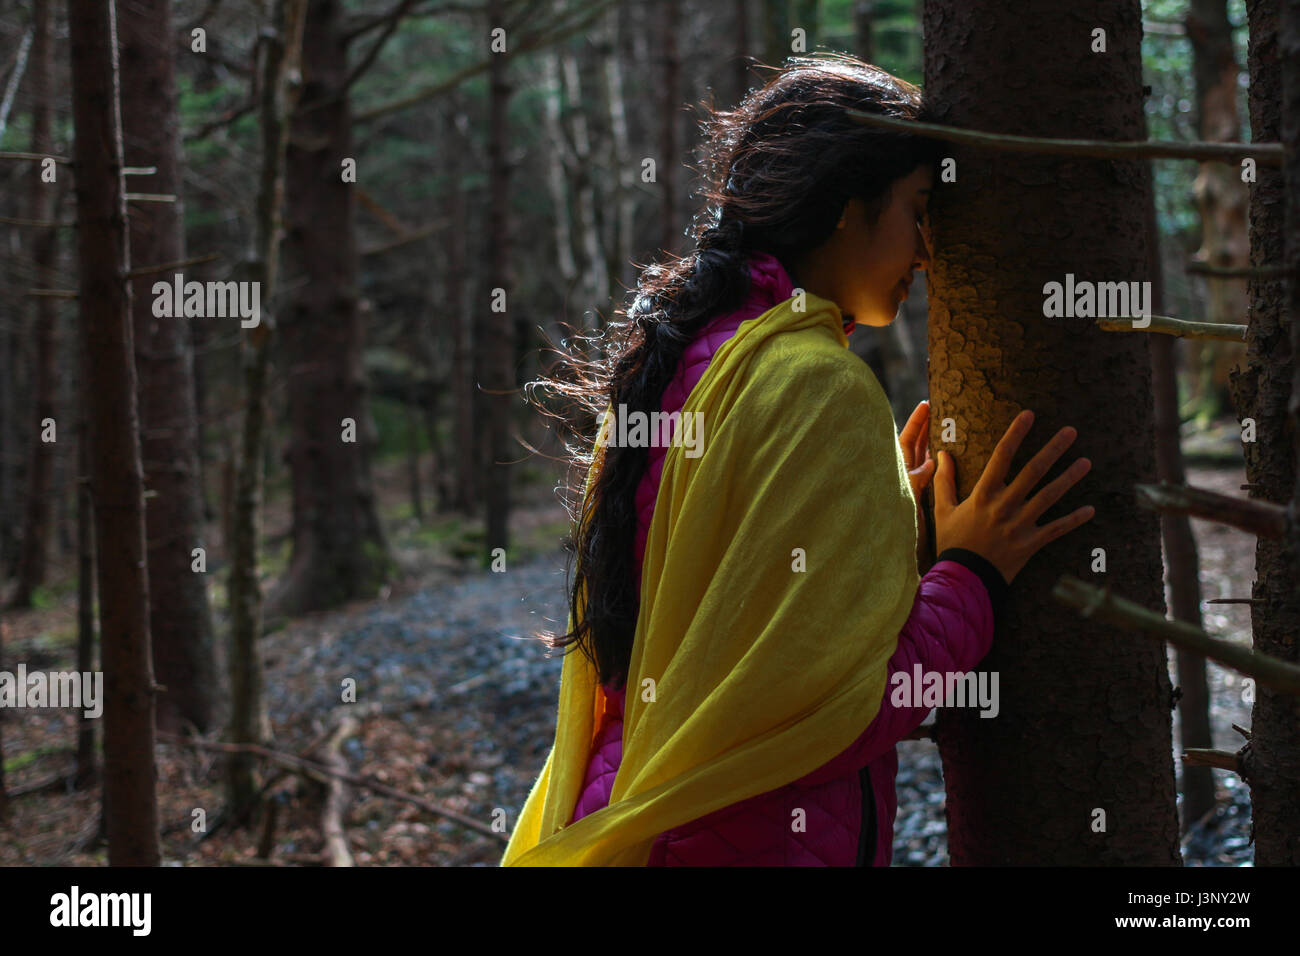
(950, 629)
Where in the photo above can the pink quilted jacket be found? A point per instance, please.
(850, 802)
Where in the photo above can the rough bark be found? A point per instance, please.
(36, 523)
(116, 475)
(180, 618)
(339, 549)
(1085, 721)
(1270, 760)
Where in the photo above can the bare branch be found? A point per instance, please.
(1181, 328)
(1261, 518)
(1265, 154)
(537, 41)
(168, 266)
(1094, 602)
(1235, 272)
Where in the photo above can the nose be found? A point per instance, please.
(924, 245)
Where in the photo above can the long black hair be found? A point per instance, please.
(778, 171)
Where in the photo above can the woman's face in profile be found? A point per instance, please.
(866, 269)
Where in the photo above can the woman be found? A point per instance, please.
(759, 598)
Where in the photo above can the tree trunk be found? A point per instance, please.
(1222, 200)
(669, 162)
(1270, 761)
(621, 161)
(741, 65)
(464, 347)
(499, 348)
(87, 771)
(864, 15)
(595, 266)
(180, 618)
(339, 549)
(776, 32)
(1077, 768)
(116, 475)
(36, 524)
(1181, 560)
(248, 715)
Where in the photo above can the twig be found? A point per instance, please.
(1261, 518)
(1199, 757)
(37, 157)
(168, 266)
(1265, 154)
(336, 839)
(1182, 328)
(1235, 272)
(1094, 602)
(39, 223)
(301, 764)
(227, 119)
(415, 236)
(527, 45)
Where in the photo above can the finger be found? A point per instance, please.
(995, 472)
(945, 483)
(1063, 525)
(1038, 466)
(913, 426)
(922, 452)
(1053, 492)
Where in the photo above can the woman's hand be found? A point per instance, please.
(915, 441)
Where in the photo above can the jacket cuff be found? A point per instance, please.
(993, 580)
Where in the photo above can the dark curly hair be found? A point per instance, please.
(777, 173)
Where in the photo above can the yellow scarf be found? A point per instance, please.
(779, 568)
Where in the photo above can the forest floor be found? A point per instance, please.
(456, 707)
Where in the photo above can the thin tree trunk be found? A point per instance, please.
(117, 479)
(864, 15)
(464, 497)
(248, 720)
(1077, 769)
(1270, 760)
(620, 159)
(180, 618)
(500, 338)
(1222, 200)
(87, 771)
(413, 450)
(1181, 560)
(36, 526)
(742, 74)
(595, 265)
(776, 31)
(669, 141)
(556, 170)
